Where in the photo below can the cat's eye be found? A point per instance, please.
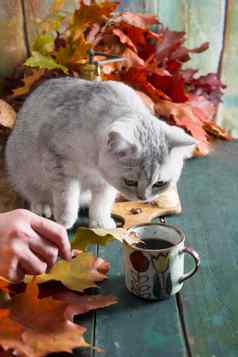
(131, 183)
(160, 184)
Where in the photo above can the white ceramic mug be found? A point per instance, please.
(156, 274)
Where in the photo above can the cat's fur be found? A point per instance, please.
(75, 138)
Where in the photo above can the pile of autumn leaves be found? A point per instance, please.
(153, 66)
(39, 319)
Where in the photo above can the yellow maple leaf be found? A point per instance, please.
(80, 273)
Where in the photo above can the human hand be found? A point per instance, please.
(30, 244)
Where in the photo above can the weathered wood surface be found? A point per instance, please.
(228, 113)
(134, 327)
(208, 189)
(12, 40)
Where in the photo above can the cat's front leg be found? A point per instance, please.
(100, 208)
(66, 194)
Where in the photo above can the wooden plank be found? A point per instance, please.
(135, 327)
(204, 21)
(12, 43)
(227, 115)
(171, 12)
(135, 5)
(209, 196)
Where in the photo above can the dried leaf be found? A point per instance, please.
(209, 86)
(137, 76)
(139, 20)
(34, 327)
(29, 80)
(81, 273)
(80, 54)
(46, 62)
(81, 304)
(40, 328)
(124, 39)
(85, 237)
(7, 115)
(182, 115)
(90, 14)
(143, 40)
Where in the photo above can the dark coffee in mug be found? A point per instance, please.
(154, 244)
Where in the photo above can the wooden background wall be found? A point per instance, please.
(203, 20)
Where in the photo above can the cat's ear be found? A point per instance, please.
(119, 145)
(178, 139)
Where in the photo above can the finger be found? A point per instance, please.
(55, 233)
(13, 272)
(44, 249)
(19, 277)
(76, 252)
(31, 264)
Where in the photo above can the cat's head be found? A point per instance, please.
(141, 158)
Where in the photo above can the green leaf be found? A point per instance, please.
(44, 43)
(43, 61)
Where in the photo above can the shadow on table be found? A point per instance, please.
(115, 285)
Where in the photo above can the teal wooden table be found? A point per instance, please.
(202, 320)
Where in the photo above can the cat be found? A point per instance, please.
(77, 142)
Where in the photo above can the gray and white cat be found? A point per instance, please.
(78, 140)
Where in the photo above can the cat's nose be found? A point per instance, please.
(141, 197)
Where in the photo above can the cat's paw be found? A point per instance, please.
(102, 222)
(65, 221)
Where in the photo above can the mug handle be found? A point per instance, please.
(196, 258)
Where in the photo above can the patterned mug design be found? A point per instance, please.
(162, 284)
(157, 274)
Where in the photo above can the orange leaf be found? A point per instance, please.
(80, 55)
(182, 115)
(124, 39)
(35, 327)
(89, 14)
(29, 80)
(81, 304)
